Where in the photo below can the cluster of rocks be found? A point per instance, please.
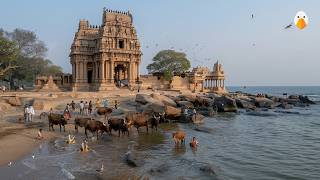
(208, 103)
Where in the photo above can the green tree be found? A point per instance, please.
(169, 62)
(8, 53)
(29, 55)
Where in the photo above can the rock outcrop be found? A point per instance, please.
(14, 101)
(225, 104)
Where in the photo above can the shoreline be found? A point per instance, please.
(17, 140)
(20, 142)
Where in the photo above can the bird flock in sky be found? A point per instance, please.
(300, 21)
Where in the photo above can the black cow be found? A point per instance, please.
(118, 124)
(57, 119)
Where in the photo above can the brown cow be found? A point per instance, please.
(57, 119)
(95, 126)
(80, 122)
(104, 111)
(179, 137)
(138, 120)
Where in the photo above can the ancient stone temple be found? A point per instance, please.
(106, 56)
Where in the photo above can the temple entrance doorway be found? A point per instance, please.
(121, 75)
(90, 72)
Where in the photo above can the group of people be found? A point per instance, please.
(28, 113)
(85, 107)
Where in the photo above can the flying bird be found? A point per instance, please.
(252, 16)
(288, 26)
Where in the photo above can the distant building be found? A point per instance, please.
(105, 56)
(200, 79)
(61, 80)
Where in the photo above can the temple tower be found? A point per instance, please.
(105, 56)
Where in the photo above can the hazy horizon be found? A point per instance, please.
(254, 52)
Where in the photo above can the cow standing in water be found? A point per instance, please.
(118, 124)
(95, 126)
(138, 120)
(80, 122)
(104, 111)
(57, 119)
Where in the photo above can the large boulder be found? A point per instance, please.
(15, 101)
(156, 106)
(164, 99)
(172, 112)
(225, 104)
(241, 103)
(188, 97)
(185, 104)
(144, 98)
(262, 102)
(203, 101)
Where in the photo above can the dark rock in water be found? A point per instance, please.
(131, 159)
(225, 104)
(293, 97)
(285, 106)
(244, 104)
(264, 102)
(203, 129)
(207, 169)
(305, 99)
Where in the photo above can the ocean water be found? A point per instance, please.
(236, 146)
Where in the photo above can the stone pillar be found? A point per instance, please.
(102, 71)
(73, 71)
(85, 72)
(78, 72)
(111, 71)
(107, 69)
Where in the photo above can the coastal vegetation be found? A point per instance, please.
(169, 62)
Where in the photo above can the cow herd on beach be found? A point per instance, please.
(121, 125)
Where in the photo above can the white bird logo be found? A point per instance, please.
(301, 20)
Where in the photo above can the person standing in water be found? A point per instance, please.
(194, 143)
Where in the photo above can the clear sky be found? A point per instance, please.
(253, 51)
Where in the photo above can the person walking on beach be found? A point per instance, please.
(31, 113)
(26, 113)
(81, 108)
(90, 107)
(73, 106)
(86, 108)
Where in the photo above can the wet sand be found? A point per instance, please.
(19, 142)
